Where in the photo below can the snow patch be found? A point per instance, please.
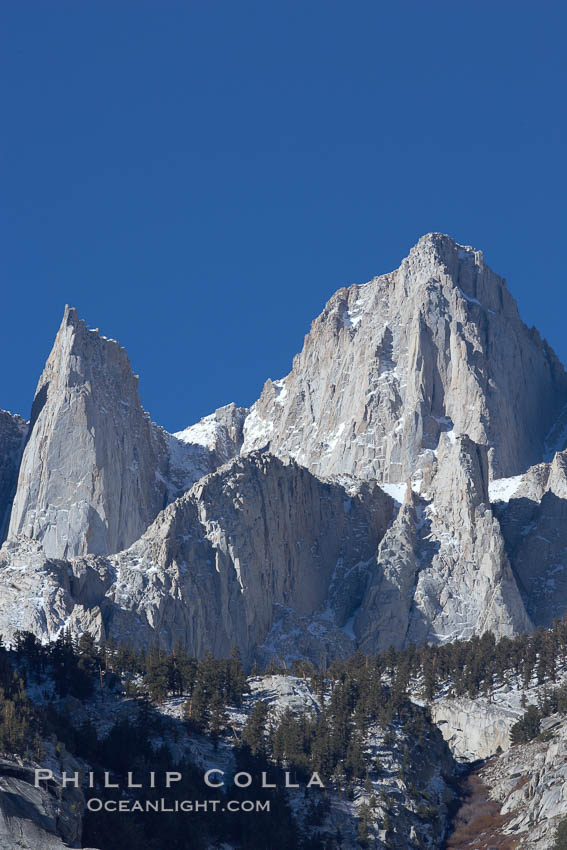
(257, 431)
(334, 438)
(281, 390)
(469, 298)
(351, 318)
(396, 491)
(502, 489)
(203, 433)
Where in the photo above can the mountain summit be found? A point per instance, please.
(436, 346)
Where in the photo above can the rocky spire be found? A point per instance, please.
(87, 480)
(442, 572)
(437, 345)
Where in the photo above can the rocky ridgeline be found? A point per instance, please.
(361, 502)
(87, 480)
(258, 533)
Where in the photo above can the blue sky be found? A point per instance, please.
(197, 178)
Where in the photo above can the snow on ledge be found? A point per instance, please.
(396, 491)
(203, 433)
(502, 489)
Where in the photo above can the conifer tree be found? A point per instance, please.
(157, 676)
(255, 727)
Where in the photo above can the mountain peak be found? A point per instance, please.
(440, 239)
(438, 250)
(81, 330)
(437, 345)
(88, 478)
(71, 315)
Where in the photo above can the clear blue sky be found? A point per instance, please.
(197, 178)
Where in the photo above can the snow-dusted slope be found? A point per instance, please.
(201, 448)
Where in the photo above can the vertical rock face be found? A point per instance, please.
(216, 567)
(88, 480)
(42, 818)
(257, 537)
(96, 471)
(465, 584)
(442, 572)
(13, 430)
(255, 534)
(384, 616)
(389, 365)
(474, 729)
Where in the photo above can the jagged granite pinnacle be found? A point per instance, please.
(389, 365)
(87, 481)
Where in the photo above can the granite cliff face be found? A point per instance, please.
(258, 534)
(381, 512)
(47, 817)
(287, 565)
(437, 345)
(528, 783)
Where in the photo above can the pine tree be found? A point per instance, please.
(364, 822)
(237, 683)
(89, 656)
(255, 727)
(217, 715)
(197, 709)
(355, 763)
(185, 671)
(157, 676)
(527, 728)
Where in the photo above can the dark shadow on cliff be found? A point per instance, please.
(535, 537)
